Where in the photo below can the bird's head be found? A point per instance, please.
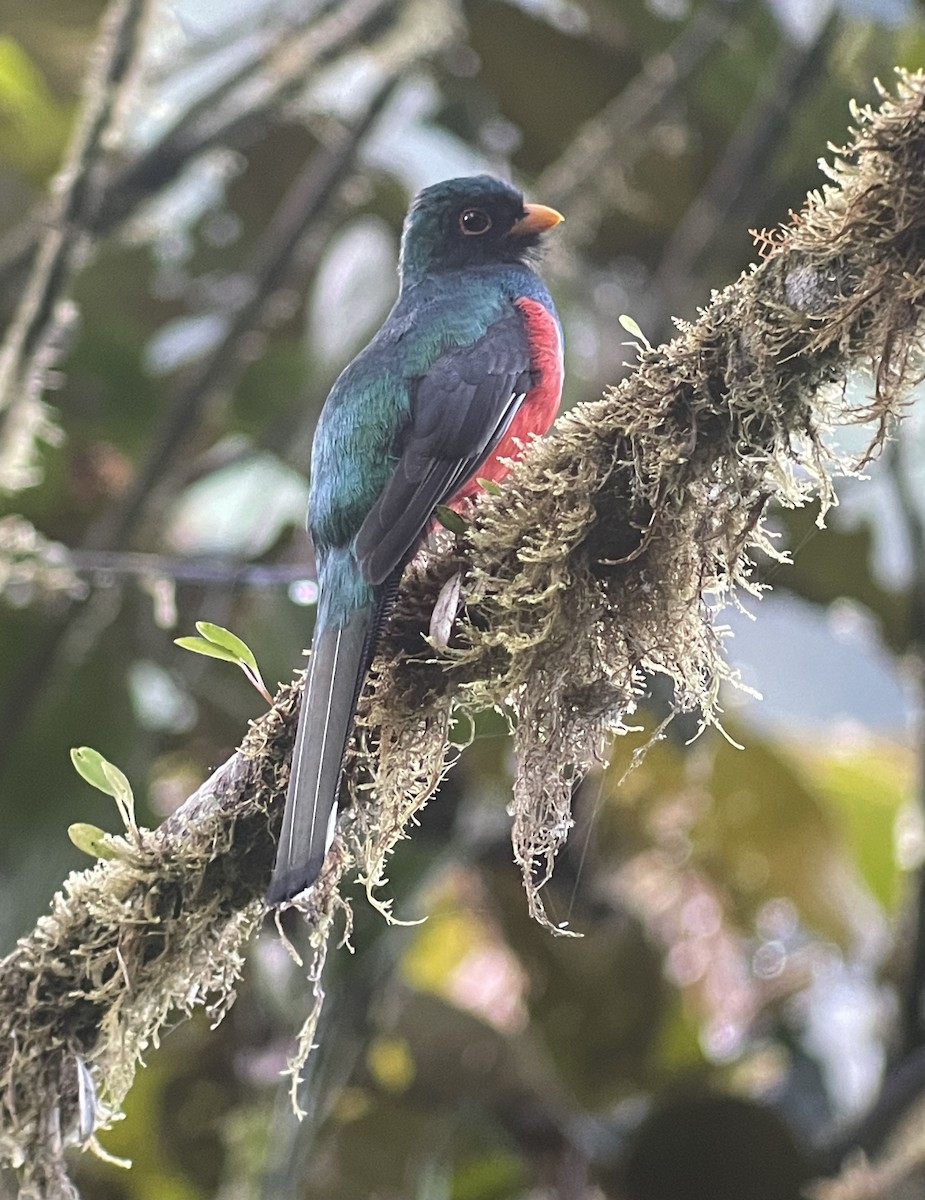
(471, 222)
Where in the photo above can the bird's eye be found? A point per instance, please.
(474, 221)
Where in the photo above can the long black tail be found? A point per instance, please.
(340, 659)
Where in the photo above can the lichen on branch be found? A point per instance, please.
(610, 552)
(606, 557)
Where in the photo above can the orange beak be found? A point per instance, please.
(537, 219)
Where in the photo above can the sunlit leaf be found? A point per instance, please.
(33, 125)
(228, 641)
(117, 785)
(121, 791)
(769, 834)
(867, 788)
(391, 1063)
(438, 947)
(200, 645)
(632, 327)
(217, 642)
(107, 778)
(88, 763)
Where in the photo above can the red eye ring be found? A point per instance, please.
(474, 221)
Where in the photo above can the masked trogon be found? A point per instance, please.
(466, 368)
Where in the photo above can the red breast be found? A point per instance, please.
(540, 406)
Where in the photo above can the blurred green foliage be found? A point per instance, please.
(33, 126)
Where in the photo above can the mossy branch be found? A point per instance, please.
(604, 558)
(609, 554)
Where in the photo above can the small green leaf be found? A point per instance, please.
(200, 645)
(105, 777)
(493, 489)
(450, 519)
(632, 327)
(88, 763)
(217, 642)
(228, 641)
(91, 839)
(118, 785)
(121, 791)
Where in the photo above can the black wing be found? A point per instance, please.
(460, 410)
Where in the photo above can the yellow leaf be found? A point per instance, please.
(34, 126)
(390, 1063)
(439, 947)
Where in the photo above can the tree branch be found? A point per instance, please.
(272, 76)
(228, 572)
(295, 225)
(911, 1024)
(309, 196)
(590, 176)
(95, 201)
(34, 568)
(740, 177)
(600, 560)
(240, 111)
(157, 929)
(605, 559)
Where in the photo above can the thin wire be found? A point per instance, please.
(595, 813)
